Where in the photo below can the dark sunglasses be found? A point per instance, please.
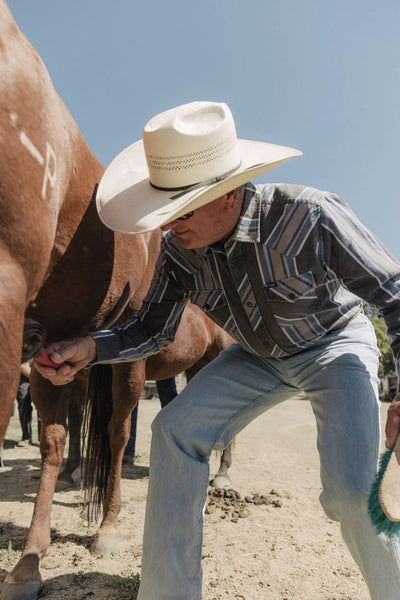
(187, 216)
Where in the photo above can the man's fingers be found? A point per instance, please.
(57, 376)
(63, 351)
(45, 371)
(392, 428)
(48, 359)
(60, 361)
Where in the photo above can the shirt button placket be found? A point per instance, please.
(249, 304)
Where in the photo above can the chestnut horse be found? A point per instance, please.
(61, 268)
(42, 174)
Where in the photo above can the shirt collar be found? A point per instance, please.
(248, 225)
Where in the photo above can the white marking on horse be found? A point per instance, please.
(31, 148)
(48, 175)
(50, 164)
(13, 118)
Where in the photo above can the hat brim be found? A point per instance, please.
(126, 202)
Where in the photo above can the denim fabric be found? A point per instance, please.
(131, 445)
(339, 376)
(25, 408)
(167, 391)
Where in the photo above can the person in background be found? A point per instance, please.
(24, 404)
(166, 389)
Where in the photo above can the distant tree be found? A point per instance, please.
(370, 310)
(386, 362)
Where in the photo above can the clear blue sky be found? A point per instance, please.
(318, 75)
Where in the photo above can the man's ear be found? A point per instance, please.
(231, 198)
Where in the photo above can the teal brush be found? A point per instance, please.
(384, 500)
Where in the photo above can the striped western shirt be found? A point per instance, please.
(297, 265)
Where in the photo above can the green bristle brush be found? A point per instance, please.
(384, 499)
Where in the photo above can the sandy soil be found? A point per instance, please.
(277, 545)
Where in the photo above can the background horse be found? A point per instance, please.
(62, 268)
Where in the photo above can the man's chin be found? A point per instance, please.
(185, 244)
(184, 241)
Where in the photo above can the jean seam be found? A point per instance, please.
(199, 541)
(232, 417)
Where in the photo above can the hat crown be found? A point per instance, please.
(189, 144)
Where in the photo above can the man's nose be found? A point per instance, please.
(168, 225)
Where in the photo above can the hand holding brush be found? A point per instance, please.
(384, 500)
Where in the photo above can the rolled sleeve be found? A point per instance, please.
(362, 263)
(154, 326)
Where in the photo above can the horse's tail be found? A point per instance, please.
(96, 452)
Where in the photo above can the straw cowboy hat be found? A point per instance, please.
(189, 156)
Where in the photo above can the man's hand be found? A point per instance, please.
(392, 429)
(72, 355)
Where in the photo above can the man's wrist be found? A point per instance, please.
(92, 349)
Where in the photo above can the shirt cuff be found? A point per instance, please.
(107, 347)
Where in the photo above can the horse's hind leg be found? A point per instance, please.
(127, 385)
(221, 478)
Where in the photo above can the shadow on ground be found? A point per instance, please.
(82, 586)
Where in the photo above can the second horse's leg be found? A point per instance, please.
(221, 478)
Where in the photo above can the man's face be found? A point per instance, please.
(207, 225)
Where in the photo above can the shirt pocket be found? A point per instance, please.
(301, 287)
(212, 302)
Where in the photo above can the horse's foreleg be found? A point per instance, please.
(221, 479)
(12, 306)
(128, 384)
(23, 583)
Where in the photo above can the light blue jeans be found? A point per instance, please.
(339, 376)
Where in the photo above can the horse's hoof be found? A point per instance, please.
(220, 481)
(29, 590)
(105, 545)
(63, 485)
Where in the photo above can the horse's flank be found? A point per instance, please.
(47, 176)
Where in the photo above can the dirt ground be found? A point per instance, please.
(269, 540)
